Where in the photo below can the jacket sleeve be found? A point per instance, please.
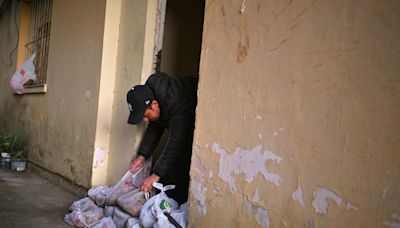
(150, 139)
(177, 151)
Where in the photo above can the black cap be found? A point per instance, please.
(138, 98)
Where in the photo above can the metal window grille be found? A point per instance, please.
(38, 37)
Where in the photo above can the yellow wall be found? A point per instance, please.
(73, 89)
(60, 124)
(129, 72)
(298, 109)
(78, 129)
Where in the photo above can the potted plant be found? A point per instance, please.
(5, 142)
(18, 154)
(5, 149)
(18, 161)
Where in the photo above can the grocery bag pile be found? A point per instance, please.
(125, 206)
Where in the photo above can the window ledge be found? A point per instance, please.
(35, 89)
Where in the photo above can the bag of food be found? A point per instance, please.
(181, 215)
(160, 202)
(84, 213)
(109, 211)
(132, 202)
(146, 217)
(106, 222)
(132, 223)
(82, 204)
(120, 218)
(177, 218)
(129, 182)
(99, 194)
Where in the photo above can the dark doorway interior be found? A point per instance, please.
(182, 37)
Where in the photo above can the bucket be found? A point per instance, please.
(18, 165)
(5, 162)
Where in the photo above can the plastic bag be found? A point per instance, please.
(106, 222)
(132, 223)
(146, 217)
(162, 222)
(180, 217)
(25, 73)
(163, 202)
(92, 193)
(84, 213)
(132, 202)
(99, 194)
(120, 218)
(129, 182)
(109, 211)
(160, 202)
(82, 204)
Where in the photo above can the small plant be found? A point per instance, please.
(6, 141)
(19, 155)
(18, 148)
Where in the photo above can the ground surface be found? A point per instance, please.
(26, 200)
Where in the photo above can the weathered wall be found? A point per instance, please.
(61, 123)
(8, 41)
(298, 115)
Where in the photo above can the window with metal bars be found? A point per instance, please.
(38, 37)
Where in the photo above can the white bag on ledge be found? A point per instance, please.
(25, 73)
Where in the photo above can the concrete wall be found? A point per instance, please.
(61, 123)
(298, 115)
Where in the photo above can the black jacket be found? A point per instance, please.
(177, 99)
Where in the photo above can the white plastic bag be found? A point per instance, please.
(120, 218)
(132, 201)
(162, 222)
(109, 211)
(180, 217)
(106, 222)
(82, 204)
(25, 73)
(84, 213)
(163, 202)
(160, 202)
(146, 217)
(129, 182)
(99, 194)
(132, 223)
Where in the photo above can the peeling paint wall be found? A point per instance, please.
(298, 115)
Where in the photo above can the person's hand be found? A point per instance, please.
(136, 164)
(147, 185)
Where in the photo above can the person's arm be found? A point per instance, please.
(149, 142)
(150, 139)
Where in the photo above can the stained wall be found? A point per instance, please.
(60, 123)
(298, 116)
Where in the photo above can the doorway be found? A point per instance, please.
(181, 45)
